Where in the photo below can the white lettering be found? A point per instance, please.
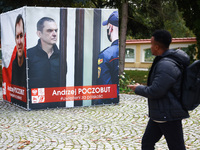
(16, 90)
(94, 90)
(54, 93)
(64, 92)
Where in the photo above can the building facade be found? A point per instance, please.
(138, 52)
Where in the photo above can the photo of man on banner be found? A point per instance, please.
(43, 46)
(108, 59)
(14, 58)
(44, 58)
(19, 63)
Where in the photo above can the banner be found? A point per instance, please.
(60, 94)
(13, 42)
(72, 55)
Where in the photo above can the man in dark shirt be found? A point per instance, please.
(19, 64)
(44, 58)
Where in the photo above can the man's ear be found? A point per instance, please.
(157, 47)
(38, 34)
(111, 28)
(159, 50)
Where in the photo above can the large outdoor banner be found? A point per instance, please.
(13, 42)
(69, 57)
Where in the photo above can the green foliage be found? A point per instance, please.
(7, 5)
(138, 76)
(131, 77)
(191, 51)
(125, 80)
(146, 16)
(191, 11)
(176, 26)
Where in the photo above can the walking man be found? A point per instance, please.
(163, 91)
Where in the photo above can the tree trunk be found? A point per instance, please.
(123, 29)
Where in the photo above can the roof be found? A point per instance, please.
(174, 40)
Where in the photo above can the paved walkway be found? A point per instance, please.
(111, 127)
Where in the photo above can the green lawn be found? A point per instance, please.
(138, 76)
(132, 77)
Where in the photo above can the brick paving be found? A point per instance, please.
(107, 127)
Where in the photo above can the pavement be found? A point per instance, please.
(110, 127)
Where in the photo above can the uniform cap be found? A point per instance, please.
(113, 19)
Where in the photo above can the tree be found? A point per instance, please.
(123, 31)
(138, 18)
(145, 16)
(7, 5)
(174, 21)
(122, 6)
(191, 11)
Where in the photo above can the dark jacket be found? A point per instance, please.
(108, 64)
(43, 71)
(108, 68)
(164, 87)
(18, 78)
(19, 73)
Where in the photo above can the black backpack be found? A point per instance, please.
(190, 92)
(191, 86)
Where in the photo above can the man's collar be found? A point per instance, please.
(116, 42)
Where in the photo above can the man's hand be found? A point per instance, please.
(133, 87)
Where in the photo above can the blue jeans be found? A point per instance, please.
(172, 130)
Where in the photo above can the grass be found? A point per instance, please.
(132, 77)
(138, 76)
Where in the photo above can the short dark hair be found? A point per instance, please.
(40, 23)
(163, 37)
(19, 17)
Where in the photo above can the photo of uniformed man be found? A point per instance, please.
(108, 59)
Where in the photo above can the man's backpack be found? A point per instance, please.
(190, 90)
(191, 86)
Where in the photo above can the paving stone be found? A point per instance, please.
(86, 128)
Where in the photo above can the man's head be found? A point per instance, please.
(160, 42)
(19, 35)
(112, 26)
(47, 30)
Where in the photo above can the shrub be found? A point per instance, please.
(125, 80)
(131, 77)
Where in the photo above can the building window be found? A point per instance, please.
(130, 55)
(148, 57)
